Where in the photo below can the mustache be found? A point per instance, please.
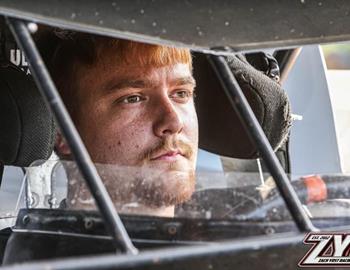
(169, 145)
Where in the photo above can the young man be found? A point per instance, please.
(133, 106)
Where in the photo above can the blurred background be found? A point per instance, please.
(337, 58)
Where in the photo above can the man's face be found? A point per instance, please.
(142, 119)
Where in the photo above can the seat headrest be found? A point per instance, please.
(220, 129)
(27, 127)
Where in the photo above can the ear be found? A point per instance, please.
(61, 146)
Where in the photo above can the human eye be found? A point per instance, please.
(182, 95)
(131, 99)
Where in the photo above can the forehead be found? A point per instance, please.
(105, 73)
(109, 70)
(176, 70)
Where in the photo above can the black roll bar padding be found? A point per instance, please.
(244, 111)
(88, 170)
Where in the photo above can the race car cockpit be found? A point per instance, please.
(244, 118)
(31, 134)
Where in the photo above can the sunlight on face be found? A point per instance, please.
(143, 118)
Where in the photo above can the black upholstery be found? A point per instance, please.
(221, 130)
(27, 126)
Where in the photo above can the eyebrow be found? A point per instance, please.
(185, 81)
(144, 83)
(129, 83)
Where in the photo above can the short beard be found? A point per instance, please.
(164, 190)
(125, 185)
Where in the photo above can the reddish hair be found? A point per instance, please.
(143, 54)
(65, 51)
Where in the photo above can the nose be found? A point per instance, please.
(168, 120)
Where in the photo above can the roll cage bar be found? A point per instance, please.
(115, 227)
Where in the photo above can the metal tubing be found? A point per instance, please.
(242, 107)
(286, 60)
(86, 166)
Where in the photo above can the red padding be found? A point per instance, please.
(316, 188)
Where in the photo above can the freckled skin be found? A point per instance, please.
(102, 123)
(119, 132)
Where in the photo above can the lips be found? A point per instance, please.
(168, 156)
